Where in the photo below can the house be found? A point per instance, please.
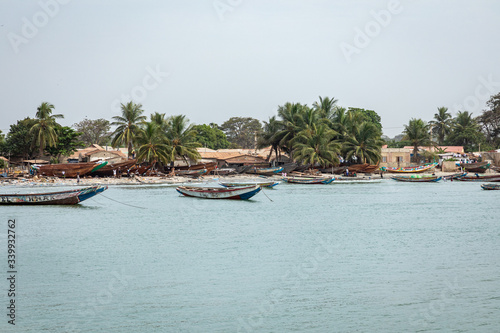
(395, 157)
(95, 153)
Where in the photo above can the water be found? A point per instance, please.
(382, 257)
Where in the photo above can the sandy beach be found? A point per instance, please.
(176, 180)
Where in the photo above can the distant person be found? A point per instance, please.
(78, 178)
(114, 173)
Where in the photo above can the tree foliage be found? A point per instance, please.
(19, 140)
(417, 133)
(210, 136)
(490, 121)
(67, 142)
(242, 131)
(44, 130)
(93, 131)
(128, 126)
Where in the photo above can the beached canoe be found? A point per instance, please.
(479, 167)
(70, 197)
(308, 180)
(108, 170)
(234, 193)
(241, 184)
(416, 179)
(480, 178)
(264, 171)
(68, 170)
(418, 169)
(455, 176)
(490, 186)
(191, 173)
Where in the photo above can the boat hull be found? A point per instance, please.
(419, 169)
(261, 184)
(71, 197)
(490, 187)
(417, 180)
(237, 193)
(304, 180)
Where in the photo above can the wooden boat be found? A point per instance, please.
(209, 166)
(265, 171)
(224, 171)
(191, 173)
(490, 186)
(357, 180)
(107, 170)
(308, 180)
(418, 169)
(70, 197)
(455, 176)
(480, 178)
(416, 179)
(262, 184)
(140, 169)
(68, 170)
(479, 167)
(234, 193)
(288, 167)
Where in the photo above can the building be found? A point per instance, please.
(395, 157)
(95, 153)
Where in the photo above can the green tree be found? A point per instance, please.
(290, 116)
(465, 132)
(152, 145)
(269, 136)
(44, 130)
(242, 131)
(417, 132)
(128, 126)
(441, 124)
(93, 131)
(19, 141)
(210, 136)
(67, 142)
(182, 139)
(366, 115)
(490, 121)
(316, 146)
(365, 145)
(326, 107)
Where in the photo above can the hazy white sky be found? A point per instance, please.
(213, 60)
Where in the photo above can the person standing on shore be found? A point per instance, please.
(78, 178)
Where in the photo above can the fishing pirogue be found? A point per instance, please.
(70, 197)
(235, 193)
(417, 179)
(417, 169)
(269, 184)
(308, 180)
(490, 186)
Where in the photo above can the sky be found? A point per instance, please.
(216, 59)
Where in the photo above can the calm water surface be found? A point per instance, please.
(382, 257)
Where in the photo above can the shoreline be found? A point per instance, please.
(178, 180)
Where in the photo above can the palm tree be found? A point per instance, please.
(465, 131)
(269, 137)
(44, 130)
(181, 138)
(128, 126)
(326, 106)
(442, 124)
(417, 132)
(316, 146)
(152, 146)
(290, 115)
(365, 144)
